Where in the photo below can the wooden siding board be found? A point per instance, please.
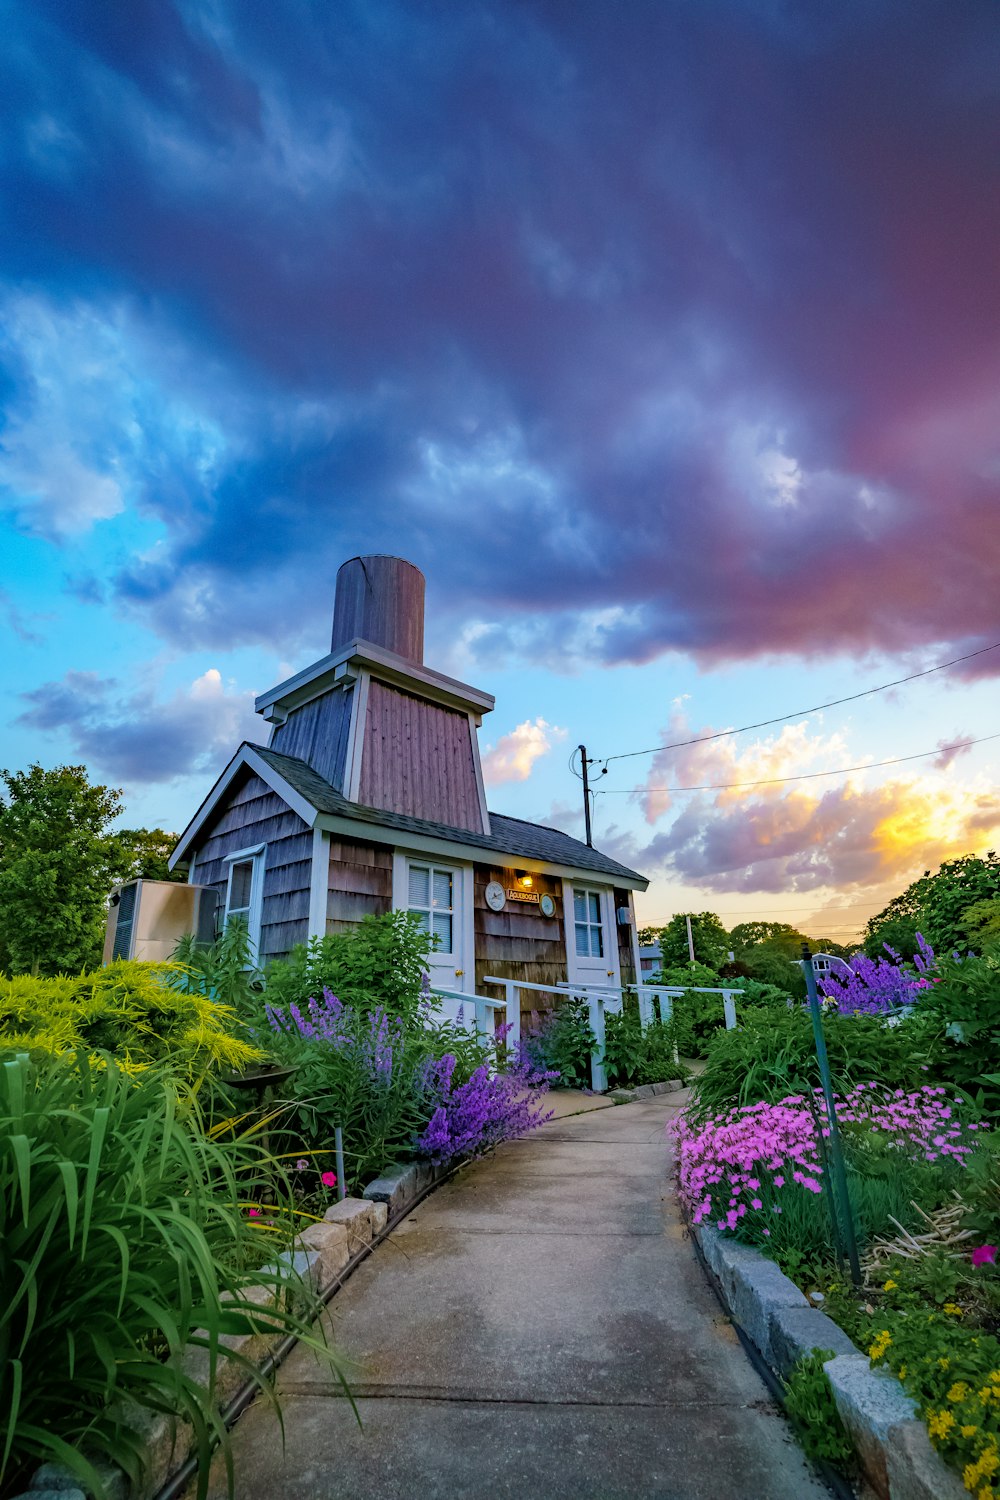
(518, 942)
(359, 882)
(417, 759)
(318, 733)
(253, 814)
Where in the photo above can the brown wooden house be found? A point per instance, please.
(368, 797)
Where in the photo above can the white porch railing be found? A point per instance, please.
(596, 996)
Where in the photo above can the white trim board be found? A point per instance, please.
(319, 883)
(387, 665)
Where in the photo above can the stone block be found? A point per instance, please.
(870, 1402)
(915, 1471)
(330, 1241)
(796, 1331)
(56, 1479)
(398, 1186)
(68, 1492)
(621, 1096)
(354, 1215)
(380, 1217)
(644, 1091)
(755, 1290)
(167, 1441)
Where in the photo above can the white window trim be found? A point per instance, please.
(257, 855)
(457, 970)
(579, 967)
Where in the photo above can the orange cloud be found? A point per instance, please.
(514, 755)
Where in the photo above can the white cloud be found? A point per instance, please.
(514, 755)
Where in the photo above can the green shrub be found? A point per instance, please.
(962, 1014)
(224, 971)
(127, 1008)
(633, 1056)
(773, 1055)
(121, 1236)
(381, 962)
(365, 1071)
(563, 1044)
(812, 1410)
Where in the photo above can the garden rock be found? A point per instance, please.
(399, 1185)
(797, 1331)
(354, 1215)
(870, 1403)
(330, 1241)
(915, 1471)
(755, 1291)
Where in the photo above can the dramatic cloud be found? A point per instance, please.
(671, 328)
(798, 836)
(133, 737)
(513, 756)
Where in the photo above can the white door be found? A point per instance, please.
(591, 935)
(439, 894)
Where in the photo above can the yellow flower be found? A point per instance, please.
(953, 1309)
(944, 1363)
(989, 1460)
(882, 1341)
(969, 1430)
(890, 1285)
(940, 1424)
(958, 1392)
(994, 1377)
(902, 1372)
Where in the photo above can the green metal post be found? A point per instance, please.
(838, 1171)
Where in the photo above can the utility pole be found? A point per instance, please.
(584, 763)
(690, 938)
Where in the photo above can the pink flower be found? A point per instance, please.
(984, 1255)
(253, 1213)
(756, 1203)
(329, 1179)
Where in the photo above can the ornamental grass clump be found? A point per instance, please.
(759, 1172)
(125, 1242)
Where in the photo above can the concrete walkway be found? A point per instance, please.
(539, 1328)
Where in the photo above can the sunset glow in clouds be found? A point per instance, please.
(663, 338)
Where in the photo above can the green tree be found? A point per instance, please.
(711, 940)
(146, 851)
(936, 906)
(780, 937)
(58, 862)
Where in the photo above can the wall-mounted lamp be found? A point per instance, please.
(525, 880)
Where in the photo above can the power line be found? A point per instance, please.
(722, 786)
(799, 713)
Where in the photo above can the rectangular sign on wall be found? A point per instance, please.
(516, 895)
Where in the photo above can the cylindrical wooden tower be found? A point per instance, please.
(380, 599)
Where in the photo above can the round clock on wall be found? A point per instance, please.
(547, 906)
(496, 896)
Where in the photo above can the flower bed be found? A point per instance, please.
(928, 1311)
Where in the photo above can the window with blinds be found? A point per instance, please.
(431, 897)
(587, 923)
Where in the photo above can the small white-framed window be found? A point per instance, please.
(587, 924)
(431, 896)
(245, 890)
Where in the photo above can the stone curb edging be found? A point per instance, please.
(892, 1444)
(324, 1256)
(644, 1091)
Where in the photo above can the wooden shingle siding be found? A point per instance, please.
(418, 759)
(253, 814)
(318, 733)
(518, 942)
(360, 883)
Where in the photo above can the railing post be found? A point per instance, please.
(513, 1000)
(645, 1006)
(729, 1006)
(598, 1073)
(666, 1000)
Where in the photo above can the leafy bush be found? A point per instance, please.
(962, 1012)
(633, 1056)
(378, 1076)
(380, 963)
(224, 971)
(812, 1410)
(121, 1236)
(128, 1008)
(562, 1044)
(773, 1054)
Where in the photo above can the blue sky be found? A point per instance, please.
(662, 338)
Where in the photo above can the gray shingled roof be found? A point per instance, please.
(508, 836)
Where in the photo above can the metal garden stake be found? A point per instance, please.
(838, 1171)
(338, 1143)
